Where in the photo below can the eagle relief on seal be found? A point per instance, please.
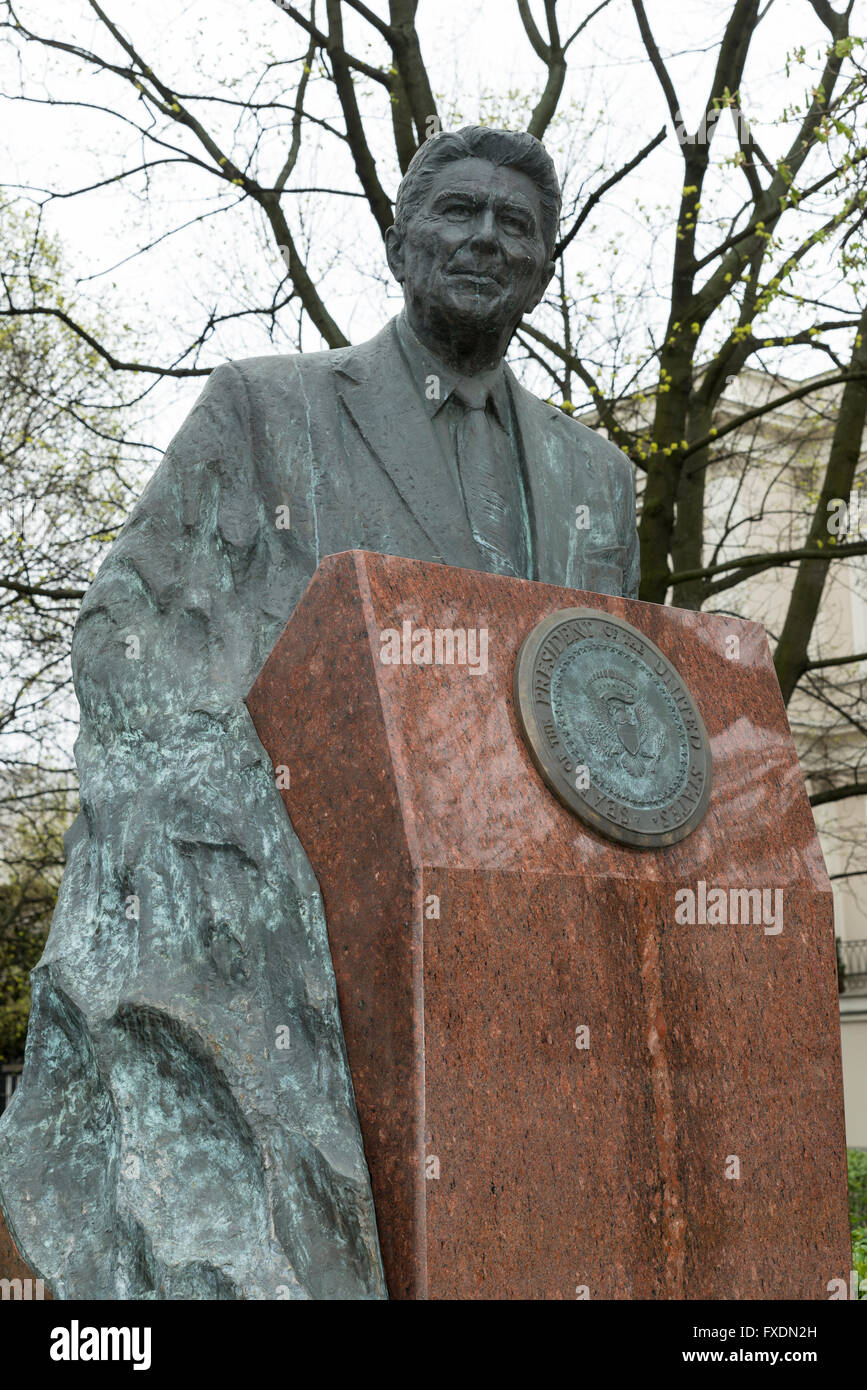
(625, 733)
(612, 728)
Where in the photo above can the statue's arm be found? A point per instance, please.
(632, 566)
(622, 495)
(169, 628)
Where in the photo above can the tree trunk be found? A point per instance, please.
(791, 655)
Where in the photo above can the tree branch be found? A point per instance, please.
(36, 310)
(797, 394)
(836, 661)
(657, 64)
(756, 563)
(620, 436)
(838, 794)
(411, 68)
(38, 591)
(604, 188)
(365, 165)
(376, 74)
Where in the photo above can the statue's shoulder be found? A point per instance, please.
(282, 368)
(352, 358)
(306, 377)
(578, 438)
(601, 447)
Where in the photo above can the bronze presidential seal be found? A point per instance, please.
(612, 728)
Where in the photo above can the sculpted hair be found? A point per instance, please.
(513, 148)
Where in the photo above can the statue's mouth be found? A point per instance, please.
(480, 278)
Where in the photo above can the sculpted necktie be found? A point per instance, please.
(482, 463)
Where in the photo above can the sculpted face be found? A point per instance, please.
(473, 260)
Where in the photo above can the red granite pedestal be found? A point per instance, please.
(563, 1093)
(22, 1282)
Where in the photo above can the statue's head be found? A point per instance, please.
(475, 228)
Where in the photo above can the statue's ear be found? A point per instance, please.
(542, 284)
(394, 253)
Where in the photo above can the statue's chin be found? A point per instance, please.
(472, 310)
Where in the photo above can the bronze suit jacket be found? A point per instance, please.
(331, 423)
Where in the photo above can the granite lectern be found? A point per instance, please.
(583, 1067)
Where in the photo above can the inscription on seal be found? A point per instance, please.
(612, 728)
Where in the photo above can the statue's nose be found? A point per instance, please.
(484, 230)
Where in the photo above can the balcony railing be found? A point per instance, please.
(852, 966)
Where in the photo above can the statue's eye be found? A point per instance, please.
(518, 225)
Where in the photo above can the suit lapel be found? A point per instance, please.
(377, 391)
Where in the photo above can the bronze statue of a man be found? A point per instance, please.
(161, 1144)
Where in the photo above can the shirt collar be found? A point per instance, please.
(424, 366)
